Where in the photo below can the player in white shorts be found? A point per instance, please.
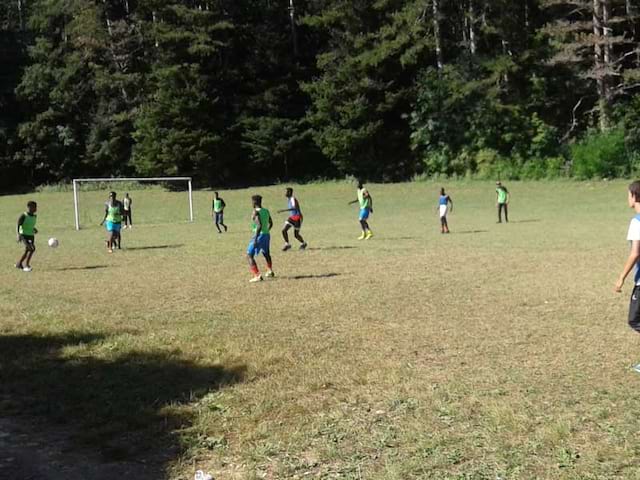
(445, 205)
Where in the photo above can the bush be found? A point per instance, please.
(601, 155)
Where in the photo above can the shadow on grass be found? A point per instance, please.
(469, 232)
(346, 247)
(88, 267)
(532, 220)
(308, 277)
(157, 247)
(123, 408)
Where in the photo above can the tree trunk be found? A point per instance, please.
(436, 33)
(473, 46)
(294, 31)
(20, 16)
(599, 69)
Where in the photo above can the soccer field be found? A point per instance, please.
(499, 351)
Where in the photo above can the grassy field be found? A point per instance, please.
(496, 352)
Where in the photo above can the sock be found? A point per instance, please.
(254, 270)
(269, 266)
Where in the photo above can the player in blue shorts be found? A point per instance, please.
(260, 242)
(113, 212)
(366, 208)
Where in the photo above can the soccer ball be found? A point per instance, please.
(53, 242)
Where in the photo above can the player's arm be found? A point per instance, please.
(106, 212)
(367, 195)
(258, 222)
(450, 203)
(353, 201)
(634, 255)
(19, 224)
(223, 204)
(270, 223)
(508, 197)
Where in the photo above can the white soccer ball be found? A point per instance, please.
(53, 242)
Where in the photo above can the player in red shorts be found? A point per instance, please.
(294, 220)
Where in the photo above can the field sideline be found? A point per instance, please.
(499, 351)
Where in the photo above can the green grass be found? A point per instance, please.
(498, 351)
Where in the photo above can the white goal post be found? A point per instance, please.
(77, 181)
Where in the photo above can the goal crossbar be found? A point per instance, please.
(77, 181)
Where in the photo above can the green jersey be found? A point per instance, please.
(362, 200)
(217, 205)
(114, 212)
(502, 194)
(28, 226)
(264, 216)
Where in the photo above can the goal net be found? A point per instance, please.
(95, 201)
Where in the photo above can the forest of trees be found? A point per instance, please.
(252, 91)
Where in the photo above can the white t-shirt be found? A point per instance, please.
(634, 234)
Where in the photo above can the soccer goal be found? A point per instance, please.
(78, 181)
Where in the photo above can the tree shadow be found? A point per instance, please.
(122, 409)
(345, 247)
(88, 267)
(311, 276)
(157, 247)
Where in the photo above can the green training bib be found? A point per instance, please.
(28, 226)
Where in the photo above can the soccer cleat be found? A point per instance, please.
(225, 228)
(369, 235)
(636, 368)
(110, 250)
(270, 274)
(303, 246)
(27, 269)
(286, 247)
(257, 278)
(362, 237)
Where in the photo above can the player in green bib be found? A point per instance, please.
(261, 225)
(217, 208)
(502, 202)
(366, 208)
(26, 233)
(113, 212)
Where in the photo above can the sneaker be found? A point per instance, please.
(270, 274)
(110, 250)
(257, 278)
(19, 266)
(369, 235)
(303, 246)
(362, 237)
(286, 247)
(225, 228)
(27, 269)
(636, 368)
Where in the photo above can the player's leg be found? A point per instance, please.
(130, 219)
(500, 213)
(445, 224)
(31, 249)
(296, 233)
(285, 236)
(217, 221)
(252, 249)
(222, 221)
(265, 248)
(506, 213)
(634, 315)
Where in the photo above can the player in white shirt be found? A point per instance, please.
(633, 236)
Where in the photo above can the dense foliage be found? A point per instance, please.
(241, 91)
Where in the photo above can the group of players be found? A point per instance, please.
(116, 212)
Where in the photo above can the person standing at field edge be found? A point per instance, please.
(113, 218)
(217, 208)
(502, 202)
(366, 209)
(26, 231)
(261, 239)
(633, 236)
(294, 221)
(443, 208)
(127, 204)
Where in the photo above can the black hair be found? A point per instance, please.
(112, 194)
(289, 190)
(31, 204)
(634, 190)
(442, 191)
(257, 200)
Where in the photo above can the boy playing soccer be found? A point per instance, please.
(443, 207)
(366, 208)
(294, 220)
(502, 202)
(26, 233)
(218, 211)
(633, 236)
(127, 204)
(113, 218)
(260, 242)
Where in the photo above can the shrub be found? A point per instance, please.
(600, 155)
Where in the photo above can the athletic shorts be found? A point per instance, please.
(29, 241)
(443, 211)
(295, 221)
(114, 227)
(364, 213)
(634, 309)
(219, 217)
(260, 246)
